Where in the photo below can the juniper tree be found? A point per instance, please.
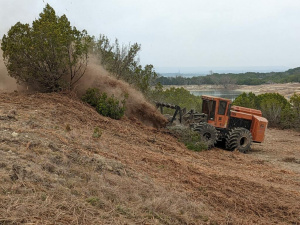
(49, 55)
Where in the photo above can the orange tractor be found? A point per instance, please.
(219, 121)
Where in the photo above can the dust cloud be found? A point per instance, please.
(7, 83)
(137, 107)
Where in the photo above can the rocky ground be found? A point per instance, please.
(62, 163)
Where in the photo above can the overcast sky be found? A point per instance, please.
(183, 33)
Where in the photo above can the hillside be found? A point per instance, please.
(248, 78)
(53, 171)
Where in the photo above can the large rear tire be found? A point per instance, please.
(239, 138)
(208, 133)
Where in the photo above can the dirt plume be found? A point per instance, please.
(137, 107)
(7, 83)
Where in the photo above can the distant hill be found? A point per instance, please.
(201, 71)
(246, 78)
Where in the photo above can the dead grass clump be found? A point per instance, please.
(291, 160)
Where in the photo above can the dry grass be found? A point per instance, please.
(68, 187)
(291, 160)
(50, 174)
(131, 174)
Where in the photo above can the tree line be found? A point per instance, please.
(279, 111)
(249, 78)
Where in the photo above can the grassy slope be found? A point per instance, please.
(131, 174)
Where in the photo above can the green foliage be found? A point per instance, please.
(110, 107)
(288, 118)
(246, 100)
(272, 109)
(144, 78)
(272, 105)
(177, 96)
(97, 132)
(50, 55)
(273, 97)
(194, 143)
(190, 138)
(95, 201)
(91, 96)
(119, 60)
(106, 106)
(122, 61)
(249, 78)
(295, 101)
(276, 108)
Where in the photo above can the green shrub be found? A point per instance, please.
(275, 97)
(190, 138)
(276, 108)
(246, 100)
(50, 55)
(295, 101)
(288, 118)
(272, 108)
(177, 96)
(110, 107)
(104, 105)
(97, 132)
(91, 96)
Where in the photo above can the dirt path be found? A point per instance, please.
(281, 149)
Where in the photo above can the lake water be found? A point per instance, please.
(229, 94)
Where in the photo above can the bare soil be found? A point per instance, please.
(286, 90)
(55, 170)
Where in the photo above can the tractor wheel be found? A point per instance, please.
(208, 133)
(240, 139)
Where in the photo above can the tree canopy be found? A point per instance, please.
(123, 62)
(276, 108)
(50, 55)
(177, 96)
(228, 79)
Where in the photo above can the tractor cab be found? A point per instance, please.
(217, 110)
